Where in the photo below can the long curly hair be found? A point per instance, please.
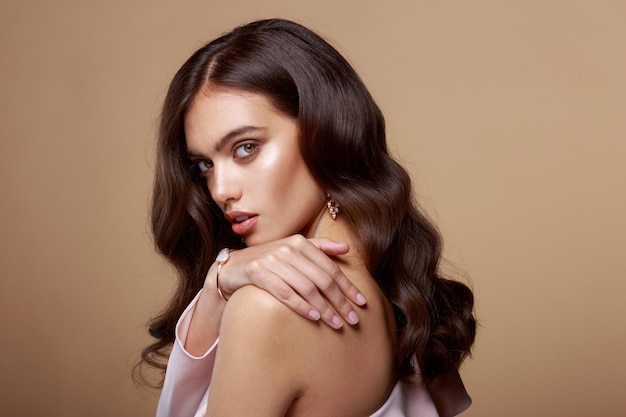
(342, 141)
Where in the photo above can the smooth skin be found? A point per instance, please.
(271, 362)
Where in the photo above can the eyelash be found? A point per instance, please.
(243, 147)
(206, 164)
(202, 165)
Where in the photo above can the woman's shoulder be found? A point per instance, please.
(265, 316)
(256, 363)
(254, 314)
(258, 317)
(251, 305)
(312, 355)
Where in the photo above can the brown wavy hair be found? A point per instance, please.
(342, 141)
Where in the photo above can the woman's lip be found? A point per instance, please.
(232, 216)
(245, 226)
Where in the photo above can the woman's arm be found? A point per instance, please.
(256, 367)
(186, 380)
(299, 272)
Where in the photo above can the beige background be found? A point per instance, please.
(509, 115)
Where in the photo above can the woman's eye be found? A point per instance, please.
(244, 150)
(205, 165)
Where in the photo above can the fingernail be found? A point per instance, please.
(337, 322)
(353, 318)
(360, 298)
(314, 315)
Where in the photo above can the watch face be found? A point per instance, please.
(223, 256)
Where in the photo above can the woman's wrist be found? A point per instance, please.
(207, 316)
(222, 258)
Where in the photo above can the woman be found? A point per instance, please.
(271, 146)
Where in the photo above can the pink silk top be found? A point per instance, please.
(186, 387)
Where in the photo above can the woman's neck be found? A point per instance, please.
(338, 230)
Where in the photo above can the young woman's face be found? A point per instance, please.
(248, 152)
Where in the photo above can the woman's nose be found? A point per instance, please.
(223, 186)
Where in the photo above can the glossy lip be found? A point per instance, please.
(242, 227)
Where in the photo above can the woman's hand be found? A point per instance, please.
(300, 273)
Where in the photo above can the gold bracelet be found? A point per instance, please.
(221, 259)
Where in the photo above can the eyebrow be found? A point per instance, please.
(228, 137)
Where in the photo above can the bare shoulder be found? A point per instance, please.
(256, 366)
(256, 320)
(252, 306)
(324, 370)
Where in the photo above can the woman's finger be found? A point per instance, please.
(286, 286)
(301, 274)
(322, 276)
(303, 277)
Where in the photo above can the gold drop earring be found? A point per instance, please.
(333, 207)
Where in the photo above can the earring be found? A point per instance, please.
(333, 207)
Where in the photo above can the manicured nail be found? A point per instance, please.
(360, 299)
(353, 318)
(314, 315)
(337, 322)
